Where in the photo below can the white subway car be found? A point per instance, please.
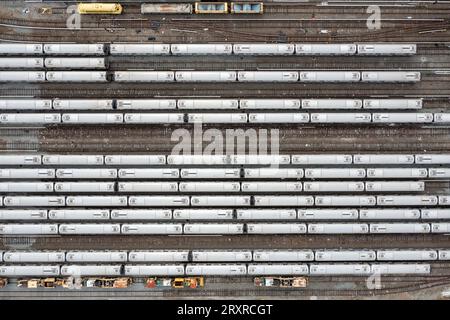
(331, 104)
(407, 200)
(442, 117)
(272, 186)
(282, 255)
(148, 173)
(89, 228)
(27, 173)
(322, 159)
(28, 229)
(158, 256)
(22, 76)
(21, 49)
(96, 201)
(390, 76)
(433, 158)
(267, 76)
(263, 49)
(278, 118)
(218, 201)
(277, 269)
(201, 49)
(207, 104)
(209, 186)
(21, 63)
(152, 228)
(72, 159)
(34, 256)
(283, 201)
(281, 173)
(439, 214)
(158, 201)
(79, 214)
(400, 186)
(221, 255)
(203, 214)
(91, 270)
(276, 104)
(76, 76)
(400, 228)
(397, 173)
(86, 173)
(335, 173)
(338, 228)
(27, 214)
(213, 228)
(383, 159)
(96, 256)
(217, 118)
(147, 187)
(97, 49)
(83, 104)
(389, 214)
(406, 255)
(154, 270)
(330, 76)
(25, 104)
(387, 49)
(327, 49)
(327, 214)
(141, 214)
(143, 76)
(154, 118)
(276, 228)
(29, 187)
(30, 271)
(334, 186)
(146, 104)
(20, 159)
(402, 117)
(341, 117)
(340, 201)
(205, 76)
(34, 201)
(339, 269)
(44, 118)
(345, 255)
(393, 104)
(266, 214)
(400, 268)
(212, 173)
(75, 63)
(139, 49)
(216, 270)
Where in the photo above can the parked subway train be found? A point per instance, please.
(208, 49)
(206, 104)
(215, 269)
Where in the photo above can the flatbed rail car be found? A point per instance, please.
(166, 8)
(99, 8)
(247, 7)
(211, 7)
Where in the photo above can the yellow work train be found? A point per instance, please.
(100, 8)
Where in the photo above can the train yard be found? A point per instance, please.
(353, 184)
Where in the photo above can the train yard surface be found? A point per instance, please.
(357, 124)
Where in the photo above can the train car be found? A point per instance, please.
(28, 229)
(210, 173)
(332, 104)
(76, 49)
(135, 159)
(400, 268)
(402, 117)
(406, 255)
(277, 269)
(261, 159)
(438, 214)
(99, 8)
(276, 228)
(210, 7)
(272, 186)
(79, 214)
(383, 159)
(221, 255)
(75, 63)
(442, 117)
(327, 214)
(91, 270)
(400, 228)
(265, 49)
(158, 201)
(21, 63)
(282, 255)
(89, 228)
(166, 8)
(444, 200)
(326, 49)
(34, 256)
(283, 201)
(281, 173)
(217, 118)
(207, 104)
(203, 214)
(29, 271)
(141, 214)
(147, 187)
(96, 256)
(213, 228)
(340, 117)
(152, 228)
(266, 214)
(96, 201)
(146, 104)
(338, 228)
(139, 49)
(92, 118)
(72, 159)
(29, 187)
(205, 76)
(444, 254)
(387, 49)
(407, 200)
(278, 118)
(330, 76)
(33, 214)
(210, 186)
(390, 76)
(276, 104)
(76, 76)
(154, 270)
(83, 104)
(25, 104)
(158, 256)
(267, 76)
(440, 227)
(44, 118)
(340, 201)
(304, 159)
(393, 104)
(148, 173)
(335, 173)
(154, 118)
(27, 173)
(397, 173)
(334, 186)
(21, 49)
(201, 49)
(345, 255)
(339, 269)
(389, 214)
(143, 76)
(22, 76)
(228, 270)
(247, 7)
(400, 186)
(218, 201)
(20, 160)
(86, 173)
(34, 201)
(432, 158)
